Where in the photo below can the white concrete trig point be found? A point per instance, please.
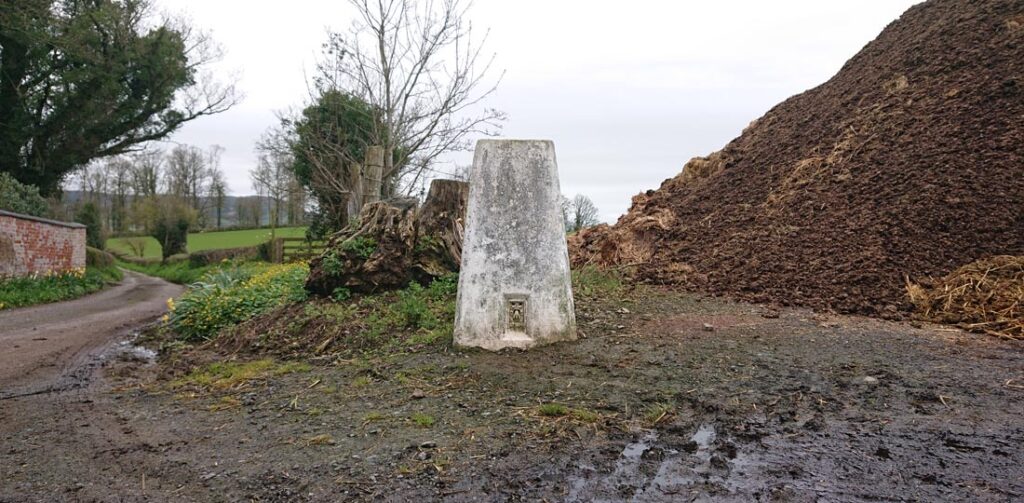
(515, 288)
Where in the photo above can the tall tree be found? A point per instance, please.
(146, 171)
(422, 74)
(118, 173)
(188, 178)
(218, 191)
(273, 177)
(82, 80)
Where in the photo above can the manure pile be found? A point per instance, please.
(908, 164)
(985, 296)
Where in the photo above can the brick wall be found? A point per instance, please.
(31, 244)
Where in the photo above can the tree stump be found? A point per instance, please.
(395, 243)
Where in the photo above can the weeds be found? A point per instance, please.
(226, 297)
(656, 413)
(553, 410)
(591, 281)
(362, 247)
(53, 287)
(422, 420)
(225, 375)
(373, 417)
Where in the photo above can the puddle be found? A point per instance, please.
(129, 351)
(676, 473)
(704, 436)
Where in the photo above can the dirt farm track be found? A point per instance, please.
(675, 398)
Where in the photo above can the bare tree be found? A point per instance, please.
(296, 202)
(118, 173)
(417, 66)
(186, 171)
(218, 191)
(146, 171)
(273, 177)
(579, 213)
(190, 173)
(248, 209)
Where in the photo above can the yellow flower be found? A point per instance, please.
(170, 304)
(166, 318)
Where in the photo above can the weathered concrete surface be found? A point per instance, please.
(514, 284)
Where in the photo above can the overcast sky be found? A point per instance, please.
(628, 90)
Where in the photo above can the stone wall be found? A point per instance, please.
(38, 245)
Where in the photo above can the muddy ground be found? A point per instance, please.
(670, 398)
(54, 346)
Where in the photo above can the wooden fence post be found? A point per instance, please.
(277, 246)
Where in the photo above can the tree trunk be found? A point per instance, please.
(395, 243)
(440, 230)
(374, 174)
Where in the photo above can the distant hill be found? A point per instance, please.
(234, 207)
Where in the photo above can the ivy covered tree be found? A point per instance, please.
(328, 138)
(171, 222)
(81, 80)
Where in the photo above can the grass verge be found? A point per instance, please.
(178, 272)
(46, 288)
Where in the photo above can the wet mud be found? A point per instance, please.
(672, 398)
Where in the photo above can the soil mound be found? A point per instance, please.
(984, 296)
(907, 164)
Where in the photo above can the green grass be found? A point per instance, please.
(590, 281)
(178, 272)
(423, 420)
(27, 291)
(212, 240)
(222, 375)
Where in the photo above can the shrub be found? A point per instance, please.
(20, 198)
(89, 216)
(98, 258)
(230, 296)
(171, 220)
(172, 234)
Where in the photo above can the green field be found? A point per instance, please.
(212, 240)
